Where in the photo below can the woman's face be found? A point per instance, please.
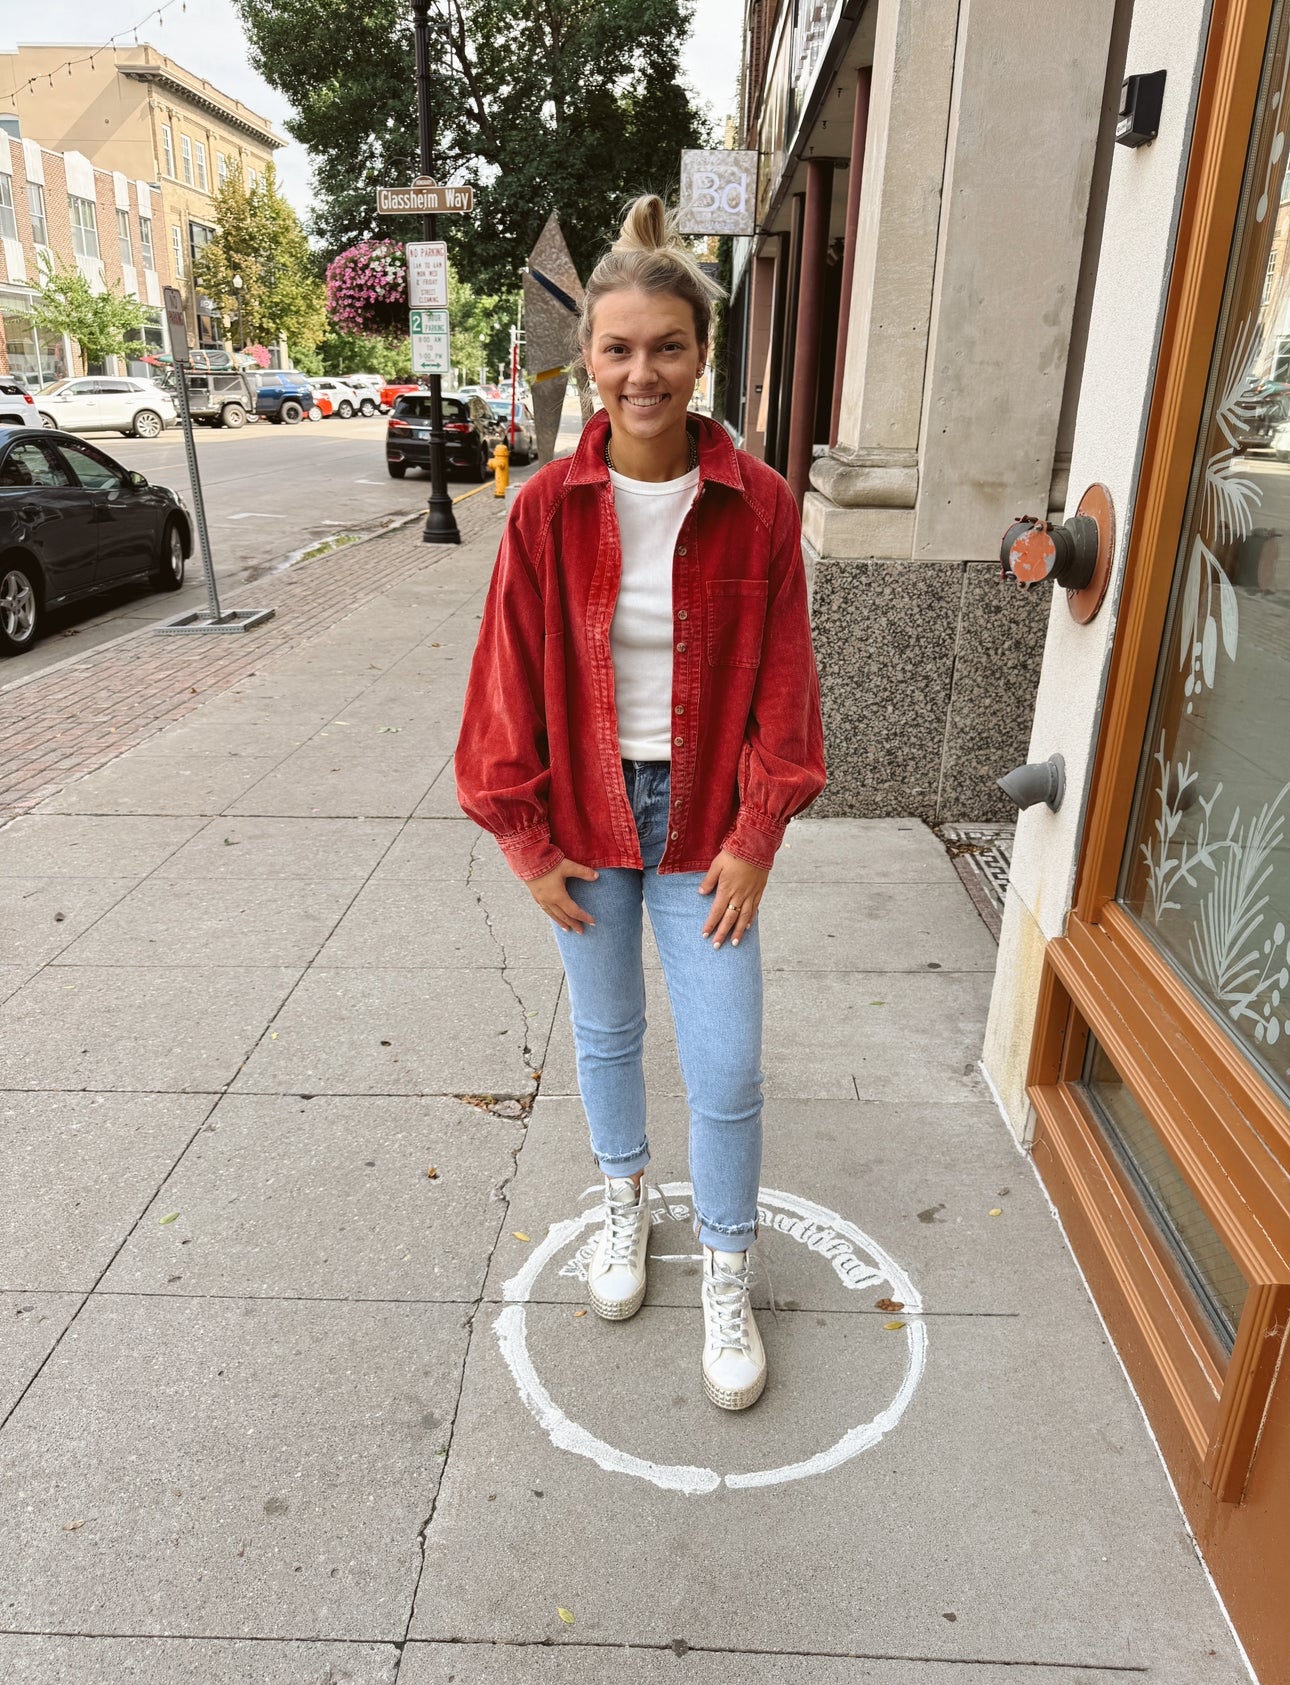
(644, 358)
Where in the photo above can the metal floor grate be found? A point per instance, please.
(982, 856)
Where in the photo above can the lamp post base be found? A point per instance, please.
(441, 523)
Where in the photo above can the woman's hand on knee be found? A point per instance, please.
(736, 887)
(554, 899)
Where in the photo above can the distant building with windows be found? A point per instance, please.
(133, 110)
(58, 211)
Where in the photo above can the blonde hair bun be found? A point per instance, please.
(651, 253)
(648, 226)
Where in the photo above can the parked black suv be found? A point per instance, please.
(470, 432)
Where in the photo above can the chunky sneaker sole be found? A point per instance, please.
(619, 1260)
(725, 1400)
(734, 1359)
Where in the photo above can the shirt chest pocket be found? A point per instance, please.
(736, 621)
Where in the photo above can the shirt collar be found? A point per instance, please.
(717, 458)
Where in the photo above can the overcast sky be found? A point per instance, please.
(208, 38)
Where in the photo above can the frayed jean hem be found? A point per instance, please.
(622, 1167)
(737, 1239)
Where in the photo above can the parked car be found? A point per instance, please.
(522, 434)
(369, 384)
(394, 389)
(365, 397)
(74, 522)
(17, 406)
(341, 399)
(282, 395)
(470, 432)
(102, 403)
(222, 398)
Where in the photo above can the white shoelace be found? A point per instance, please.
(620, 1225)
(730, 1296)
(620, 1221)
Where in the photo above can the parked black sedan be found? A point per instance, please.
(470, 431)
(74, 522)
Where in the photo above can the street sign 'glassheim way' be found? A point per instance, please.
(423, 201)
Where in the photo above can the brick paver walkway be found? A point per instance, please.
(82, 714)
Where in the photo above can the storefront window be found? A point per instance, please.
(1207, 870)
(1207, 1267)
(151, 339)
(37, 359)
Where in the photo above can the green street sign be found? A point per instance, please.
(428, 331)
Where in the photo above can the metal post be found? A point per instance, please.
(441, 523)
(194, 480)
(236, 619)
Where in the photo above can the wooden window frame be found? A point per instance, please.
(1224, 1125)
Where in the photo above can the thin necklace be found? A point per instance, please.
(690, 440)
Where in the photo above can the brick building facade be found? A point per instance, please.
(57, 209)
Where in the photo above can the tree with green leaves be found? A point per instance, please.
(260, 239)
(570, 105)
(103, 324)
(481, 325)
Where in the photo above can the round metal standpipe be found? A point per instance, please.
(1075, 554)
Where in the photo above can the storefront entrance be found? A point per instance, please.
(1161, 1063)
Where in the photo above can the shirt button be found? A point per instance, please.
(683, 614)
(680, 707)
(679, 741)
(675, 835)
(681, 550)
(681, 648)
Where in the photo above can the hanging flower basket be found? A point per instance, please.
(367, 288)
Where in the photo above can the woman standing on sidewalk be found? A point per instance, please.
(641, 723)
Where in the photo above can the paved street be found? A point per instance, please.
(270, 491)
(296, 1388)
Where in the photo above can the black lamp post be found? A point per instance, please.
(441, 521)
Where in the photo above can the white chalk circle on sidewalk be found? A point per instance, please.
(858, 1262)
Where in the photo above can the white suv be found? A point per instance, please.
(107, 403)
(17, 408)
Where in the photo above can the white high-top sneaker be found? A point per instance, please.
(616, 1273)
(734, 1359)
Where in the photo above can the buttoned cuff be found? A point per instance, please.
(754, 837)
(530, 853)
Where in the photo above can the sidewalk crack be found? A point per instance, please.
(527, 1015)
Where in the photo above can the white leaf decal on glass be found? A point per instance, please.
(1227, 614)
(1209, 652)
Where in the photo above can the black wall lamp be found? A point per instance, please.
(1141, 98)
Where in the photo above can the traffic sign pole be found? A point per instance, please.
(233, 620)
(441, 523)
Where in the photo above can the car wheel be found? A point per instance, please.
(148, 425)
(315, 414)
(232, 415)
(46, 420)
(344, 409)
(366, 408)
(291, 413)
(482, 470)
(396, 470)
(19, 607)
(169, 572)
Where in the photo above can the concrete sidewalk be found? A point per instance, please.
(295, 1386)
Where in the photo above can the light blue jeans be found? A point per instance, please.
(716, 999)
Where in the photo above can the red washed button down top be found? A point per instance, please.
(537, 760)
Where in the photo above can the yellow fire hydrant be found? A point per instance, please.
(500, 463)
